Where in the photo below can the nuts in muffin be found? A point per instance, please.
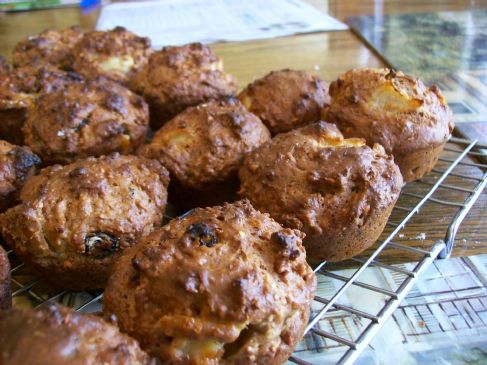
(115, 54)
(286, 99)
(57, 335)
(53, 47)
(203, 148)
(411, 121)
(86, 119)
(178, 77)
(16, 165)
(338, 191)
(75, 220)
(223, 285)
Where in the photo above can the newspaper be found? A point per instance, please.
(169, 22)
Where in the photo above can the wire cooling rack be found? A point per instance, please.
(351, 304)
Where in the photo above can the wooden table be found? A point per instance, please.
(325, 54)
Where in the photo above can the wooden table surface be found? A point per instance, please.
(325, 54)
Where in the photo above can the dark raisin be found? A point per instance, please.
(100, 245)
(202, 233)
(77, 172)
(288, 242)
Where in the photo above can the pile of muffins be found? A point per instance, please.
(99, 132)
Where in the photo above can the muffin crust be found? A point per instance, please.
(74, 220)
(178, 77)
(53, 47)
(115, 54)
(223, 285)
(338, 191)
(412, 122)
(286, 99)
(16, 165)
(55, 335)
(5, 295)
(86, 119)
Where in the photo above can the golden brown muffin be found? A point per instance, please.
(5, 296)
(74, 220)
(56, 335)
(16, 165)
(286, 99)
(178, 77)
(412, 122)
(340, 192)
(19, 88)
(203, 148)
(51, 46)
(115, 54)
(89, 119)
(223, 285)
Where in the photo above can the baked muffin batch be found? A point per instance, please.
(84, 186)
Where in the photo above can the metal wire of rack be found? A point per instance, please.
(30, 291)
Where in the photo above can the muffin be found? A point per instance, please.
(19, 88)
(16, 165)
(86, 119)
(53, 47)
(286, 99)
(75, 220)
(178, 77)
(55, 335)
(5, 296)
(203, 148)
(115, 54)
(340, 192)
(223, 285)
(412, 122)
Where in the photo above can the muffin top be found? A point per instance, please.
(115, 54)
(206, 143)
(16, 164)
(20, 86)
(219, 276)
(390, 108)
(86, 119)
(57, 335)
(178, 77)
(85, 213)
(51, 46)
(5, 296)
(286, 99)
(314, 180)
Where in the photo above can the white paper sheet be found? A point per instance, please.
(176, 22)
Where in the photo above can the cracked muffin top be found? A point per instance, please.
(115, 54)
(222, 285)
(93, 118)
(73, 221)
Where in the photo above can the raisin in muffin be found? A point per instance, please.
(5, 296)
(340, 192)
(223, 285)
(203, 148)
(178, 77)
(56, 335)
(74, 220)
(411, 121)
(52, 46)
(86, 119)
(16, 165)
(286, 99)
(19, 88)
(115, 54)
